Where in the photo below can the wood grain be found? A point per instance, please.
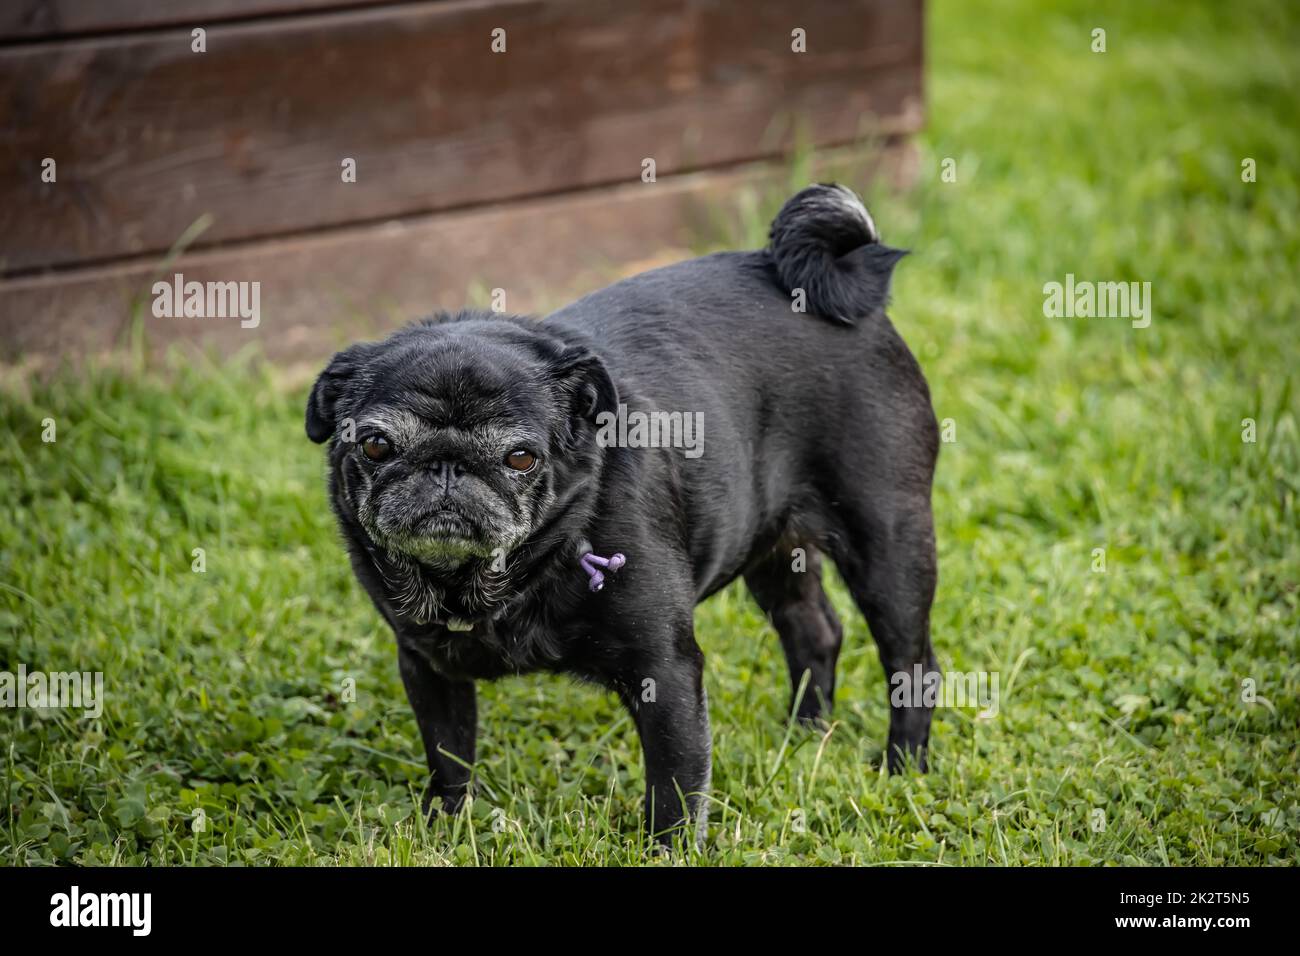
(45, 19)
(320, 291)
(150, 137)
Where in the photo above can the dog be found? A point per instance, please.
(502, 523)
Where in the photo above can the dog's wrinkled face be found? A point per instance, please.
(454, 440)
(450, 467)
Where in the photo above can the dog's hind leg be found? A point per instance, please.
(887, 557)
(792, 597)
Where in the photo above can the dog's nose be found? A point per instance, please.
(446, 473)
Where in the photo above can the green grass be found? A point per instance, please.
(1121, 691)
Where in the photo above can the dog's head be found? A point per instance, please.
(454, 439)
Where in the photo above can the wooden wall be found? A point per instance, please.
(240, 148)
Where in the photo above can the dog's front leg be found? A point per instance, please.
(664, 690)
(447, 714)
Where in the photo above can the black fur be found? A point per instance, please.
(824, 242)
(819, 439)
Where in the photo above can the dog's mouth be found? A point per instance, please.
(445, 523)
(441, 535)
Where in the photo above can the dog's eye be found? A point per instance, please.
(521, 460)
(377, 448)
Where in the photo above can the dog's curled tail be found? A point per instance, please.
(824, 245)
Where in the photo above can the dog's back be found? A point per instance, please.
(801, 383)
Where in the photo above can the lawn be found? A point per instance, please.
(1148, 690)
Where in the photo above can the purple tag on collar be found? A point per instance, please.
(592, 563)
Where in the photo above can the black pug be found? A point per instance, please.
(512, 499)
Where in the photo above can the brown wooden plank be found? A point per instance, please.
(45, 19)
(319, 291)
(149, 136)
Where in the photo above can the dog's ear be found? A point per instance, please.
(585, 382)
(325, 393)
